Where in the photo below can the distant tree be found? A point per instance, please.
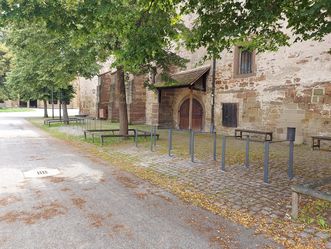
(136, 35)
(43, 61)
(66, 95)
(5, 65)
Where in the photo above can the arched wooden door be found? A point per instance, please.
(197, 115)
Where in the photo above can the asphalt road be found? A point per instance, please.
(90, 204)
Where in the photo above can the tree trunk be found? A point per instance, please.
(123, 112)
(45, 108)
(65, 112)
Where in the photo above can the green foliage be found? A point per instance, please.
(5, 62)
(4, 109)
(316, 212)
(5, 65)
(322, 222)
(44, 61)
(66, 94)
(136, 35)
(258, 24)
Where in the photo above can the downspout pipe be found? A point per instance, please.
(212, 123)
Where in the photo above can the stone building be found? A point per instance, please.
(268, 91)
(98, 97)
(33, 103)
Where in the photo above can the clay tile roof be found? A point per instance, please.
(184, 78)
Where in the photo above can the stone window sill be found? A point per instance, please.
(236, 76)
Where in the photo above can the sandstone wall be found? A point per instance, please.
(290, 88)
(88, 96)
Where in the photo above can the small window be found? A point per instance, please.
(230, 114)
(245, 62)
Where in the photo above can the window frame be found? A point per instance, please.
(230, 124)
(236, 64)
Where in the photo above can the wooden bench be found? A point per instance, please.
(317, 141)
(310, 190)
(238, 133)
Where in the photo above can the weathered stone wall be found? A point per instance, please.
(88, 96)
(152, 107)
(290, 88)
(137, 105)
(10, 103)
(104, 95)
(136, 98)
(113, 103)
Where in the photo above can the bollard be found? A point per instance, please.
(155, 128)
(247, 153)
(290, 160)
(152, 139)
(136, 137)
(266, 162)
(295, 205)
(223, 152)
(291, 139)
(192, 147)
(190, 138)
(169, 141)
(214, 146)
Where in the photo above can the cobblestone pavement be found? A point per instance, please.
(238, 188)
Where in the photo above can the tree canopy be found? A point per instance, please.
(5, 65)
(256, 24)
(135, 34)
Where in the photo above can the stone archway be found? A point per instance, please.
(197, 115)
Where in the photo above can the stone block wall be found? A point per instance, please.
(105, 81)
(290, 88)
(88, 96)
(152, 107)
(137, 107)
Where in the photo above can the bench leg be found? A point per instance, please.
(316, 144)
(295, 205)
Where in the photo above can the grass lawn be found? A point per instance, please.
(6, 109)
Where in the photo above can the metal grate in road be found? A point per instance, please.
(41, 172)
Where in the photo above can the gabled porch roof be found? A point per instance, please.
(190, 79)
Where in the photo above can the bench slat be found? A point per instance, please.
(321, 137)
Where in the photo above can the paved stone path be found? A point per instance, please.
(93, 205)
(239, 188)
